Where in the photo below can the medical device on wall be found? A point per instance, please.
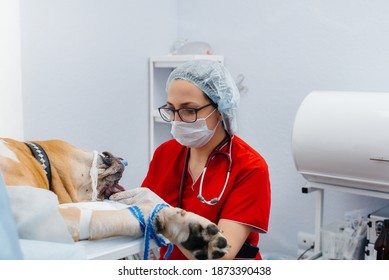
(340, 142)
(342, 138)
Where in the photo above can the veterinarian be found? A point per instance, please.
(207, 169)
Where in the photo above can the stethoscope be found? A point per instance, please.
(216, 152)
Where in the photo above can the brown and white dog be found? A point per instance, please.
(72, 180)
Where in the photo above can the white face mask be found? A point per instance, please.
(193, 135)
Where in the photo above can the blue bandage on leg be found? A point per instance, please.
(149, 230)
(135, 210)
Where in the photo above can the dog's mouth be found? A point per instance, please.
(109, 179)
(109, 188)
(115, 188)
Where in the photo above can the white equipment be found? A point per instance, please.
(340, 142)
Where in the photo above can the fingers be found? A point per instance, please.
(136, 196)
(129, 197)
(127, 201)
(122, 195)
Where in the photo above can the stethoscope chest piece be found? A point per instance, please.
(211, 202)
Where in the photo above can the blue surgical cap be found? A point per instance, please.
(216, 82)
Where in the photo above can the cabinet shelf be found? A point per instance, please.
(173, 61)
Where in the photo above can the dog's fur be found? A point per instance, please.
(71, 182)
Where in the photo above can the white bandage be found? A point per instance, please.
(94, 175)
(85, 217)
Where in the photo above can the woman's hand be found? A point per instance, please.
(136, 196)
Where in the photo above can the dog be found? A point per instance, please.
(77, 175)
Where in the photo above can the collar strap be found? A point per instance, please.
(42, 158)
(148, 229)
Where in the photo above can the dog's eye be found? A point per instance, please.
(107, 158)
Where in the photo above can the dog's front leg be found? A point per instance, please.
(102, 223)
(107, 223)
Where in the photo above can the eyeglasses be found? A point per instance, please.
(188, 115)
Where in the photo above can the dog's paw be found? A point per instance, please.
(196, 234)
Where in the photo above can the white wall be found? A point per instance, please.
(11, 106)
(85, 78)
(85, 72)
(286, 49)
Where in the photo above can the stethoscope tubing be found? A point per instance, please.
(216, 152)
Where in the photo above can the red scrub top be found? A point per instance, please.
(246, 199)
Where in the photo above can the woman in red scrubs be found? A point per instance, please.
(206, 168)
